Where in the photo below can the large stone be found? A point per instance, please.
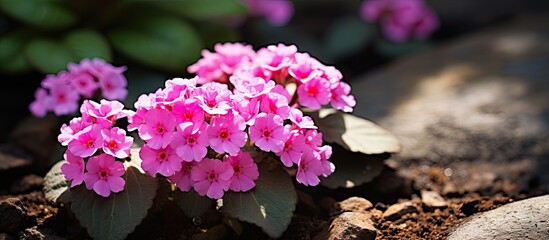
(349, 225)
(526, 219)
(13, 216)
(398, 210)
(480, 99)
(352, 204)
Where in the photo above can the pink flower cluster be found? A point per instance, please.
(249, 72)
(62, 92)
(200, 136)
(93, 145)
(401, 20)
(277, 12)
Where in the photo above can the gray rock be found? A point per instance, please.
(398, 210)
(349, 225)
(481, 98)
(526, 219)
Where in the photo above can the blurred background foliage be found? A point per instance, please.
(157, 40)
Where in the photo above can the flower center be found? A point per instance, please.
(312, 91)
(210, 104)
(187, 168)
(162, 156)
(89, 143)
(191, 140)
(104, 173)
(188, 116)
(236, 169)
(112, 144)
(109, 86)
(61, 97)
(224, 134)
(266, 133)
(211, 176)
(160, 129)
(303, 166)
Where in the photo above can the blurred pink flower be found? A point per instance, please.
(401, 20)
(41, 104)
(277, 12)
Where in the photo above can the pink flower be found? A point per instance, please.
(68, 132)
(314, 93)
(308, 170)
(276, 57)
(41, 104)
(73, 169)
(104, 113)
(278, 13)
(191, 141)
(401, 19)
(188, 111)
(325, 152)
(275, 103)
(87, 141)
(304, 67)
(84, 84)
(268, 133)
(182, 179)
(214, 98)
(313, 139)
(300, 121)
(136, 119)
(207, 68)
(227, 134)
(164, 161)
(116, 143)
(341, 98)
(212, 177)
(233, 55)
(293, 149)
(247, 109)
(251, 87)
(158, 128)
(113, 85)
(245, 171)
(104, 175)
(64, 99)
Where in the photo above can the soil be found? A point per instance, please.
(313, 213)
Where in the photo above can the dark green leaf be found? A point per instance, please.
(353, 169)
(47, 55)
(88, 44)
(192, 204)
(269, 205)
(56, 185)
(46, 14)
(118, 215)
(162, 42)
(206, 9)
(347, 36)
(216, 33)
(12, 58)
(354, 133)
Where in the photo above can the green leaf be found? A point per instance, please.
(347, 35)
(12, 58)
(88, 44)
(118, 215)
(213, 33)
(47, 55)
(56, 186)
(354, 133)
(269, 205)
(161, 42)
(45, 14)
(353, 169)
(205, 9)
(192, 204)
